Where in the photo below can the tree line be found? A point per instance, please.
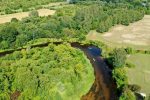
(66, 25)
(117, 59)
(12, 6)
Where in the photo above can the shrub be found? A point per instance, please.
(34, 13)
(129, 50)
(130, 65)
(127, 95)
(14, 20)
(8, 11)
(134, 87)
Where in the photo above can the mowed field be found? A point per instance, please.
(7, 18)
(140, 75)
(135, 35)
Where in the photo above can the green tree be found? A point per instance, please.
(21, 40)
(9, 33)
(119, 74)
(118, 57)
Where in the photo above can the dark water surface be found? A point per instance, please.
(103, 87)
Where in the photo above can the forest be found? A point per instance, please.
(65, 25)
(42, 73)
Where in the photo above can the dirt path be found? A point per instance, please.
(7, 18)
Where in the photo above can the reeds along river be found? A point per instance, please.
(103, 87)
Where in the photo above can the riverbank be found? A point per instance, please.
(103, 88)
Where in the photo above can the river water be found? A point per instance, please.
(103, 87)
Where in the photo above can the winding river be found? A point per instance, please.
(103, 87)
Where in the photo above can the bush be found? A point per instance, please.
(14, 20)
(134, 87)
(130, 65)
(129, 50)
(34, 13)
(8, 11)
(127, 95)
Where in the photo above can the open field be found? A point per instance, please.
(141, 73)
(136, 35)
(7, 18)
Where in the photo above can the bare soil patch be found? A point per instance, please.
(7, 18)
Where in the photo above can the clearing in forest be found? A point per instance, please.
(136, 34)
(7, 18)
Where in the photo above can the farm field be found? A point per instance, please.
(7, 18)
(136, 35)
(140, 74)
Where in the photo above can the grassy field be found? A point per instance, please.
(141, 73)
(136, 35)
(7, 18)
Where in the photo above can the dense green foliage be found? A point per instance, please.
(65, 24)
(102, 18)
(127, 95)
(17, 34)
(118, 57)
(119, 74)
(53, 72)
(11, 6)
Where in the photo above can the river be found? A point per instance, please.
(103, 87)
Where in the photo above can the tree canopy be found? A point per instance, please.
(44, 74)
